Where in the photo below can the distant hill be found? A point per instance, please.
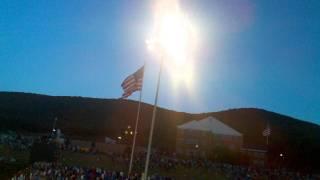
(93, 118)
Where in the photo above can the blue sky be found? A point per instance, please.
(263, 54)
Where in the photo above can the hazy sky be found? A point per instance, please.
(263, 54)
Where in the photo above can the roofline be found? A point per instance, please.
(239, 134)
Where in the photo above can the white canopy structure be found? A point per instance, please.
(210, 124)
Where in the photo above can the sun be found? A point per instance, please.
(173, 38)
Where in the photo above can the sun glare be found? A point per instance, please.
(173, 39)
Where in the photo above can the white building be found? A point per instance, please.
(199, 137)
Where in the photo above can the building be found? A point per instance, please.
(200, 137)
(257, 156)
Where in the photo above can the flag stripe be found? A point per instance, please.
(133, 83)
(133, 89)
(128, 81)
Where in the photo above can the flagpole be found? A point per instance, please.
(135, 129)
(145, 174)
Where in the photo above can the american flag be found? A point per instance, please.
(133, 83)
(266, 131)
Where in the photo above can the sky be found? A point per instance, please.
(262, 54)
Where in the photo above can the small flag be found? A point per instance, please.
(133, 83)
(266, 131)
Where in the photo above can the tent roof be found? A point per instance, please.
(210, 124)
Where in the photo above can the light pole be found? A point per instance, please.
(152, 123)
(54, 124)
(171, 38)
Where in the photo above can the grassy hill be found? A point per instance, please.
(94, 118)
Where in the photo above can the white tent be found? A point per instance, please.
(210, 124)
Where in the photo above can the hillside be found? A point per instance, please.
(93, 118)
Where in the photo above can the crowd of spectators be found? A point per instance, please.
(159, 160)
(43, 170)
(15, 141)
(166, 161)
